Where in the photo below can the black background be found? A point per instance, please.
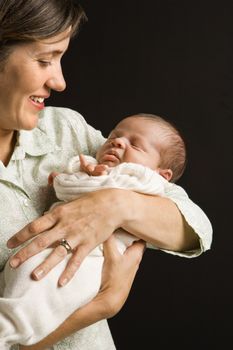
(172, 58)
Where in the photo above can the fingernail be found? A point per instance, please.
(10, 244)
(63, 282)
(38, 273)
(15, 262)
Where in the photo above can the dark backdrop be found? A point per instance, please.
(172, 58)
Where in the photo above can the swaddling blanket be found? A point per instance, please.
(30, 310)
(128, 176)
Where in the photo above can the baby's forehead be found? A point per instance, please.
(135, 119)
(143, 128)
(137, 122)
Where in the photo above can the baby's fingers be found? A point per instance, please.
(100, 169)
(83, 162)
(85, 166)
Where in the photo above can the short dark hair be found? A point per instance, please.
(32, 20)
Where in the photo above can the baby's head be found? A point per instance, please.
(149, 140)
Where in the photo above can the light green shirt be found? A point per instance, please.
(25, 195)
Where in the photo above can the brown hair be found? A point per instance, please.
(32, 20)
(173, 150)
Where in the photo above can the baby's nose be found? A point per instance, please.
(119, 142)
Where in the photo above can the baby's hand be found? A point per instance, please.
(92, 169)
(51, 177)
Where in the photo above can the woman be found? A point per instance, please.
(34, 141)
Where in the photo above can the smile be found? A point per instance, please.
(37, 99)
(37, 102)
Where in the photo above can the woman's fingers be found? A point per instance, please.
(84, 223)
(110, 248)
(73, 264)
(136, 250)
(118, 268)
(133, 253)
(39, 225)
(58, 254)
(41, 242)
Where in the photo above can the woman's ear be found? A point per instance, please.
(166, 173)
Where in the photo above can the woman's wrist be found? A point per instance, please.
(92, 312)
(120, 211)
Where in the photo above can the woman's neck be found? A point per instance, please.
(7, 145)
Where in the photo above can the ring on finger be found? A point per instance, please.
(66, 245)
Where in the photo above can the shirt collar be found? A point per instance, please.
(33, 142)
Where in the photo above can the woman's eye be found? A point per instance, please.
(44, 62)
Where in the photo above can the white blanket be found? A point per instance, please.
(30, 310)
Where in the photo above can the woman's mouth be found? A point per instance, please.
(37, 101)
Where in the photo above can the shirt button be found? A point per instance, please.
(26, 202)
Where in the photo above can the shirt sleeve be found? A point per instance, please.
(194, 216)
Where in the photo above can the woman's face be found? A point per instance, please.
(32, 70)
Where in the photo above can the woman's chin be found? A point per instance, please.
(30, 124)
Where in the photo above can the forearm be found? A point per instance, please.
(109, 300)
(85, 316)
(157, 220)
(90, 220)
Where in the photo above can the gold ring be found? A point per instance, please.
(66, 245)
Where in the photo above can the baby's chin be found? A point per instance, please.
(110, 163)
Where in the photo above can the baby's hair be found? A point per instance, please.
(173, 151)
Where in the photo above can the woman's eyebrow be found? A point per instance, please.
(50, 52)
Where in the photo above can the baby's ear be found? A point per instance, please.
(166, 173)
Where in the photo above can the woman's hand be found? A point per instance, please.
(91, 219)
(117, 268)
(84, 223)
(111, 297)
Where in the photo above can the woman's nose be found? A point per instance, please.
(56, 81)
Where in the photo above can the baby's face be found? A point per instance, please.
(134, 140)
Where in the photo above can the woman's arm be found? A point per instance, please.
(158, 221)
(109, 300)
(91, 219)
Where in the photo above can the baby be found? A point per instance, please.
(144, 153)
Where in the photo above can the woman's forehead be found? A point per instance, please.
(58, 37)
